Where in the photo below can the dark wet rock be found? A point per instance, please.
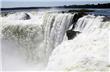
(25, 16)
(71, 34)
(76, 17)
(4, 14)
(106, 18)
(63, 12)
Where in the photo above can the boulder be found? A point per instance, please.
(71, 34)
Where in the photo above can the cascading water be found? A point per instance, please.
(27, 41)
(88, 51)
(34, 39)
(88, 23)
(55, 26)
(21, 43)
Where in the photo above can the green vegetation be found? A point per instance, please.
(81, 10)
(104, 5)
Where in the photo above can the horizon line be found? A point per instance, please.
(46, 4)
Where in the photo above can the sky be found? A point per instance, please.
(38, 3)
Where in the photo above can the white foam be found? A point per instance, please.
(89, 51)
(35, 38)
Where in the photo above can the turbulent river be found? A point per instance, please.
(39, 41)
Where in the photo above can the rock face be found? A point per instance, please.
(76, 17)
(71, 34)
(26, 16)
(107, 18)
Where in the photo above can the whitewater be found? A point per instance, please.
(38, 41)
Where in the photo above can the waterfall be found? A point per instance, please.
(88, 23)
(41, 38)
(55, 27)
(88, 51)
(34, 38)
